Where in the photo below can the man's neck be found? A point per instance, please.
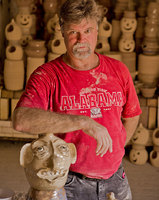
(82, 64)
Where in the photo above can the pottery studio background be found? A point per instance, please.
(129, 32)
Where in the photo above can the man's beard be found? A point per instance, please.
(81, 50)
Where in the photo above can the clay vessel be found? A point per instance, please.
(14, 74)
(13, 31)
(36, 49)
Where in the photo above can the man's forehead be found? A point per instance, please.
(83, 24)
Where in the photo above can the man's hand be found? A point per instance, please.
(101, 135)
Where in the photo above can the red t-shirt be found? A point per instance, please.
(105, 94)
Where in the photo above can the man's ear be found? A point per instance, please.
(26, 155)
(73, 152)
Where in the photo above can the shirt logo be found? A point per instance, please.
(96, 113)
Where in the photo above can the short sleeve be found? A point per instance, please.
(37, 91)
(131, 107)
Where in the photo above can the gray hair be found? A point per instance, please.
(73, 11)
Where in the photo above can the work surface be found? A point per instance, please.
(144, 180)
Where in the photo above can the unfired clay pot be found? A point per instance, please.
(141, 135)
(154, 156)
(14, 74)
(148, 91)
(138, 154)
(36, 49)
(32, 64)
(14, 52)
(13, 31)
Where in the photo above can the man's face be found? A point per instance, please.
(50, 162)
(80, 39)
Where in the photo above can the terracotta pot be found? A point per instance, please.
(129, 59)
(151, 28)
(102, 46)
(154, 156)
(144, 63)
(105, 29)
(147, 79)
(153, 9)
(150, 46)
(13, 31)
(147, 91)
(36, 49)
(50, 6)
(14, 74)
(155, 137)
(32, 64)
(14, 52)
(138, 155)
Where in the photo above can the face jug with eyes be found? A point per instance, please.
(46, 162)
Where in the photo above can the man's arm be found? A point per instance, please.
(37, 121)
(130, 125)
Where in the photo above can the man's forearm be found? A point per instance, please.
(130, 125)
(37, 121)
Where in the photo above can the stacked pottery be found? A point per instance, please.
(24, 20)
(126, 44)
(120, 6)
(154, 154)
(148, 62)
(13, 64)
(138, 154)
(150, 44)
(56, 44)
(104, 32)
(50, 9)
(35, 52)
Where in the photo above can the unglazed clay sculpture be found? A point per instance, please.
(13, 64)
(56, 44)
(35, 52)
(24, 20)
(146, 74)
(138, 154)
(128, 26)
(154, 154)
(105, 30)
(46, 162)
(150, 45)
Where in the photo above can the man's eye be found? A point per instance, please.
(88, 31)
(73, 32)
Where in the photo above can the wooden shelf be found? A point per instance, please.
(6, 131)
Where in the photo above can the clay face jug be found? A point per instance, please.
(46, 162)
(14, 52)
(138, 155)
(154, 156)
(13, 31)
(141, 135)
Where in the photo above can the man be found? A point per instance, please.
(82, 96)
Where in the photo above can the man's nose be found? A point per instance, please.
(81, 37)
